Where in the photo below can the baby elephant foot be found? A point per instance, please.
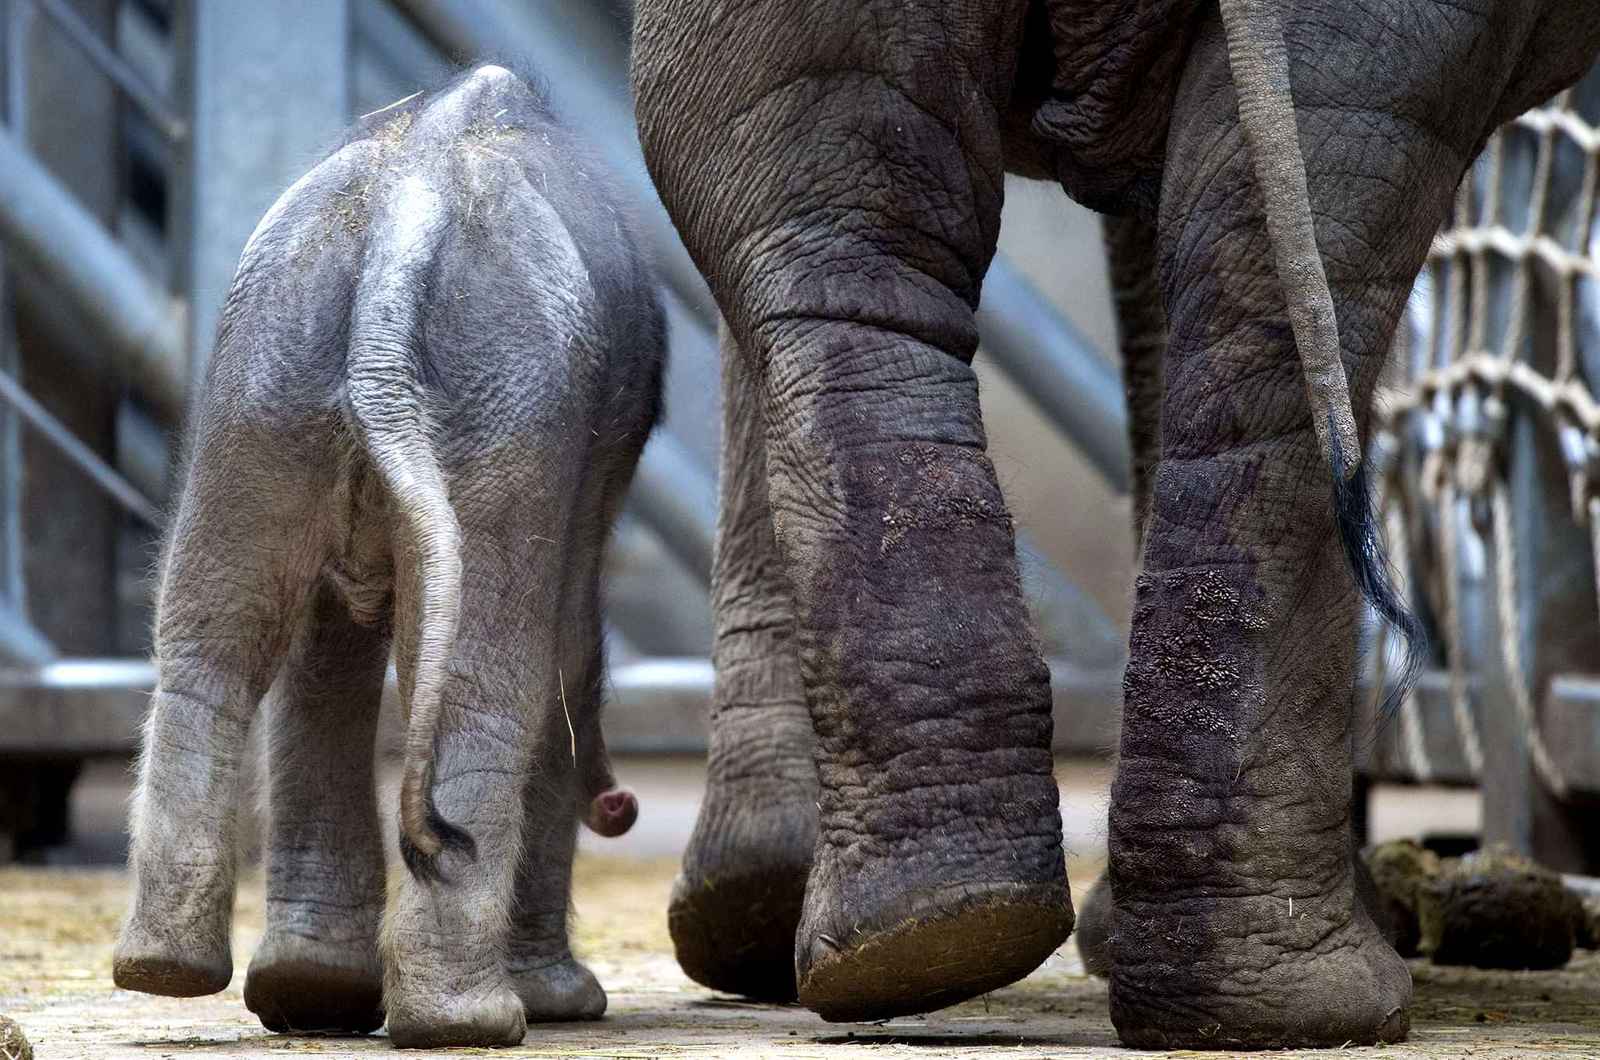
(558, 992)
(485, 1019)
(296, 985)
(173, 963)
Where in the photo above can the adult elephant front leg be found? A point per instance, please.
(847, 260)
(1237, 921)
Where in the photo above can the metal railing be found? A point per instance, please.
(49, 238)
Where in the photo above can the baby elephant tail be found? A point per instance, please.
(389, 405)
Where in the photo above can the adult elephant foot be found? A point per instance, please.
(1096, 913)
(736, 905)
(1237, 922)
(939, 873)
(295, 985)
(1261, 969)
(1327, 976)
(937, 947)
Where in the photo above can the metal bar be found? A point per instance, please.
(82, 674)
(13, 582)
(21, 643)
(1570, 721)
(85, 459)
(144, 454)
(399, 46)
(1584, 886)
(1378, 741)
(112, 65)
(1079, 391)
(12, 110)
(655, 706)
(660, 604)
(1073, 622)
(52, 236)
(268, 90)
(19, 20)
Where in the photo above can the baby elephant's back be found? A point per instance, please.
(285, 327)
(535, 309)
(478, 221)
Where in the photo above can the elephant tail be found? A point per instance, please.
(1259, 61)
(389, 404)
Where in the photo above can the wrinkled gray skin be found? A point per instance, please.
(437, 365)
(836, 171)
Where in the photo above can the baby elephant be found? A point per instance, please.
(439, 360)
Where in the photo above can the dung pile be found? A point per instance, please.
(1490, 909)
(1400, 870)
(13, 1043)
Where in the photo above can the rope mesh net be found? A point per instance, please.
(1503, 328)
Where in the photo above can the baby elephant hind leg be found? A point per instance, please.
(448, 933)
(552, 984)
(245, 545)
(318, 968)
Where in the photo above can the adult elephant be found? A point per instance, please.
(836, 171)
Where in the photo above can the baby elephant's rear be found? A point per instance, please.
(437, 365)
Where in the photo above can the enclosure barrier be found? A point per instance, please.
(653, 706)
(1489, 442)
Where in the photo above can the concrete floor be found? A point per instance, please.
(57, 925)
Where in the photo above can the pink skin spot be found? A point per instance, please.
(612, 813)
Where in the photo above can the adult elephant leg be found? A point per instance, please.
(1236, 920)
(737, 903)
(1130, 244)
(847, 259)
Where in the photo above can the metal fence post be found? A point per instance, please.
(269, 90)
